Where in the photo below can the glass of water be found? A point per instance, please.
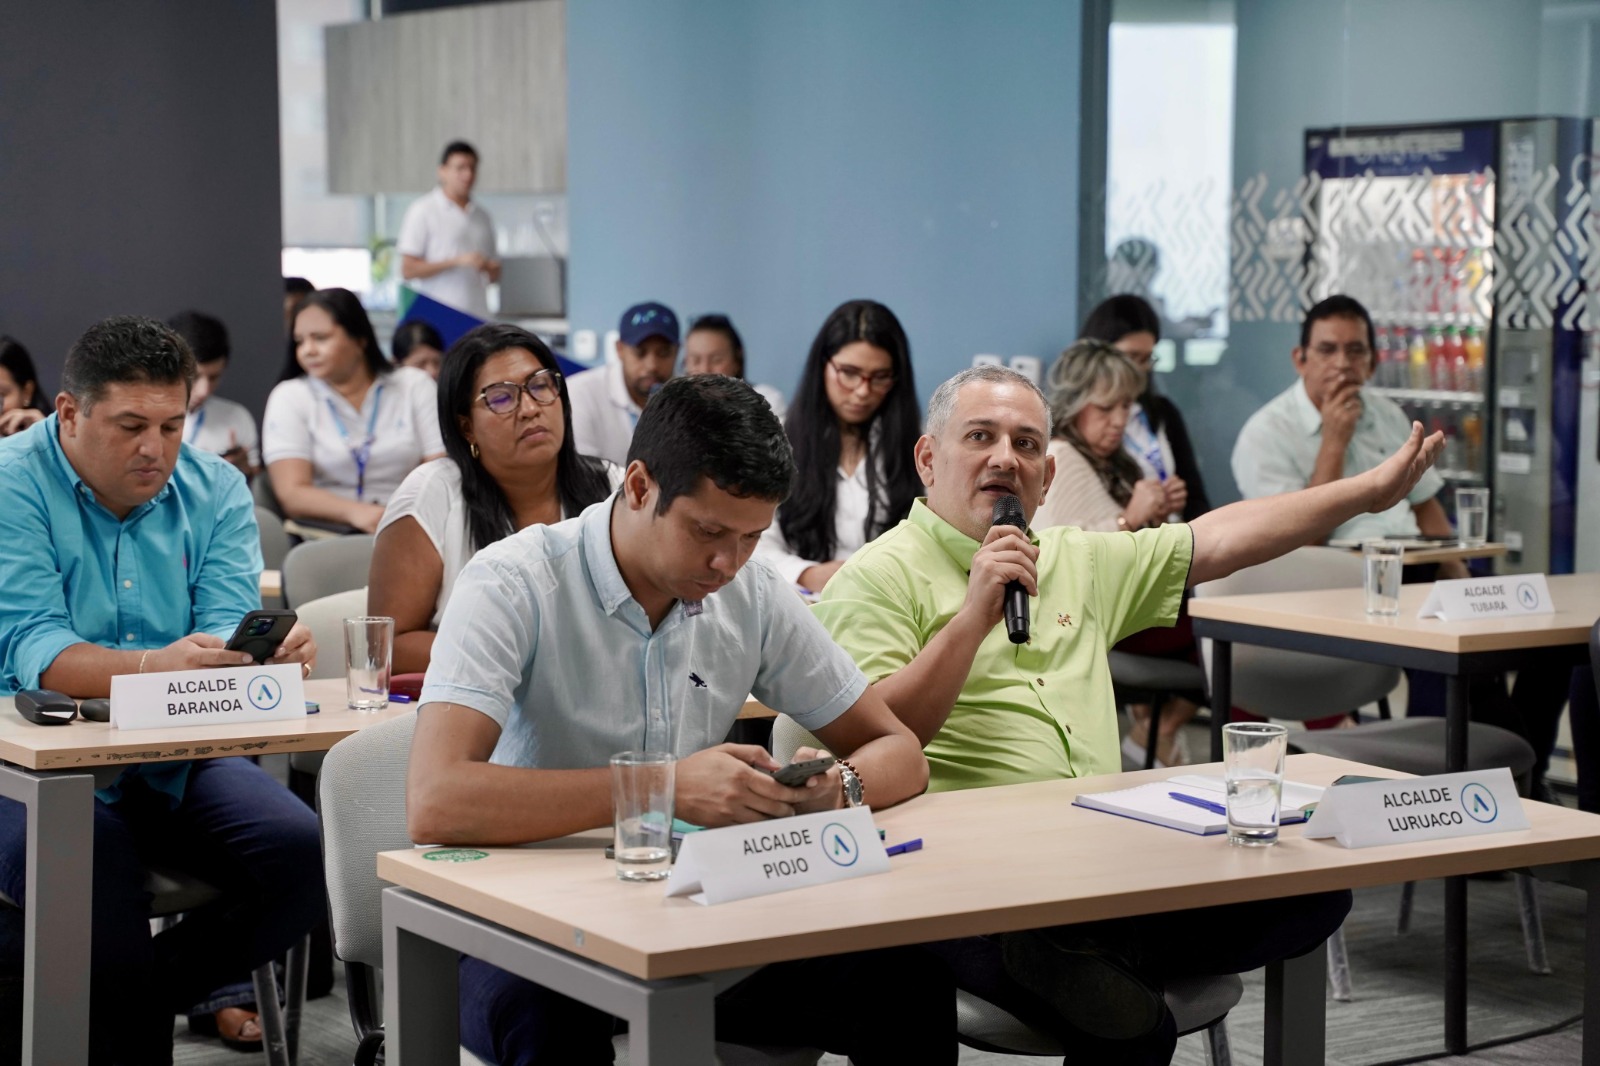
(368, 653)
(1384, 559)
(1252, 760)
(641, 799)
(1472, 517)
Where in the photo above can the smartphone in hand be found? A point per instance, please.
(260, 633)
(798, 773)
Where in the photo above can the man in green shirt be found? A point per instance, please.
(919, 609)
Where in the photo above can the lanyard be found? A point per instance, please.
(1150, 446)
(361, 454)
(198, 421)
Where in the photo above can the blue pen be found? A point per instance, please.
(1196, 801)
(399, 697)
(901, 849)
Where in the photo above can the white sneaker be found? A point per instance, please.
(1136, 753)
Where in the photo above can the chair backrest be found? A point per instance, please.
(787, 736)
(325, 618)
(1289, 684)
(320, 568)
(261, 489)
(274, 541)
(361, 804)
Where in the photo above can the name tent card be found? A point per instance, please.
(741, 861)
(1488, 597)
(207, 697)
(1419, 808)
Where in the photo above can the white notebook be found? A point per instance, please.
(1153, 803)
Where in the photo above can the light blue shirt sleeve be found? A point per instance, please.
(1266, 456)
(35, 623)
(803, 673)
(228, 583)
(486, 642)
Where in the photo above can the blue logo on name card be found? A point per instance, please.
(1479, 803)
(1527, 595)
(263, 692)
(839, 845)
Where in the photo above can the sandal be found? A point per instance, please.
(238, 1029)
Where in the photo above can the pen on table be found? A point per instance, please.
(399, 697)
(1196, 801)
(901, 849)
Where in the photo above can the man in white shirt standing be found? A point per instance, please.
(214, 424)
(446, 242)
(607, 401)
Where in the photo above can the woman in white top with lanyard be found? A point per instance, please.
(510, 463)
(853, 425)
(343, 428)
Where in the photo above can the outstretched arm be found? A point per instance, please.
(1253, 531)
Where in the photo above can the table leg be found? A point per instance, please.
(1591, 978)
(57, 912)
(1455, 888)
(1221, 692)
(1296, 1010)
(421, 1005)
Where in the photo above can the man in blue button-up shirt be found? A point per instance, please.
(127, 551)
(643, 624)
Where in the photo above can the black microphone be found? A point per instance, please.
(1008, 512)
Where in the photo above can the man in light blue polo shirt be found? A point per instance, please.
(643, 624)
(127, 551)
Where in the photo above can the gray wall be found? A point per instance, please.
(139, 173)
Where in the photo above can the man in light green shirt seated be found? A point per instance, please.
(919, 609)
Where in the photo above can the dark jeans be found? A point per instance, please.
(1532, 710)
(1586, 738)
(236, 829)
(881, 1008)
(1207, 942)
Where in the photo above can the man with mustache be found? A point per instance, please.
(919, 610)
(606, 401)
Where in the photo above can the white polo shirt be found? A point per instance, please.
(398, 421)
(435, 229)
(603, 414)
(219, 426)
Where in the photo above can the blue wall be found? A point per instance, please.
(1306, 63)
(772, 160)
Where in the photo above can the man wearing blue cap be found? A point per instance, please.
(607, 400)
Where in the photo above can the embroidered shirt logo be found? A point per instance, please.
(698, 683)
(1063, 619)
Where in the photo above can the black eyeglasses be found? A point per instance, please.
(504, 397)
(851, 377)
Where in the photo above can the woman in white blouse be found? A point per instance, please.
(510, 463)
(343, 427)
(853, 425)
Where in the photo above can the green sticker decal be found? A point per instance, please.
(454, 855)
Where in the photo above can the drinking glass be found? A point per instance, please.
(1472, 517)
(641, 797)
(368, 653)
(1252, 760)
(1384, 560)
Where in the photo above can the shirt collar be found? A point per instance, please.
(1311, 419)
(617, 389)
(955, 543)
(438, 192)
(601, 560)
(50, 427)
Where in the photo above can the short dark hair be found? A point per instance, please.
(127, 349)
(457, 148)
(297, 287)
(1338, 306)
(344, 307)
(580, 479)
(715, 427)
(413, 334)
(206, 337)
(1115, 318)
(724, 325)
(19, 364)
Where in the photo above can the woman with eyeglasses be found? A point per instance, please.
(853, 425)
(509, 463)
(343, 427)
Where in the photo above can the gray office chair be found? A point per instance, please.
(1196, 1004)
(1153, 680)
(322, 567)
(325, 618)
(274, 541)
(171, 894)
(361, 804)
(1298, 686)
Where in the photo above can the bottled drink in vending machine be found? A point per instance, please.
(1419, 299)
(1456, 356)
(1438, 361)
(1382, 362)
(1455, 453)
(1473, 347)
(1420, 378)
(1472, 438)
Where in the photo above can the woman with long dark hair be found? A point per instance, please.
(22, 400)
(343, 428)
(509, 463)
(1156, 437)
(418, 344)
(853, 425)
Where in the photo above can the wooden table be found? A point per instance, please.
(1334, 622)
(555, 913)
(1419, 552)
(45, 768)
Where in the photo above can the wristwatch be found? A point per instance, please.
(854, 790)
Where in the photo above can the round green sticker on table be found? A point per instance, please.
(455, 855)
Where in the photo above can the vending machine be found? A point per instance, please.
(1466, 243)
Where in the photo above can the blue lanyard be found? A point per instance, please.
(1151, 447)
(199, 420)
(361, 454)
